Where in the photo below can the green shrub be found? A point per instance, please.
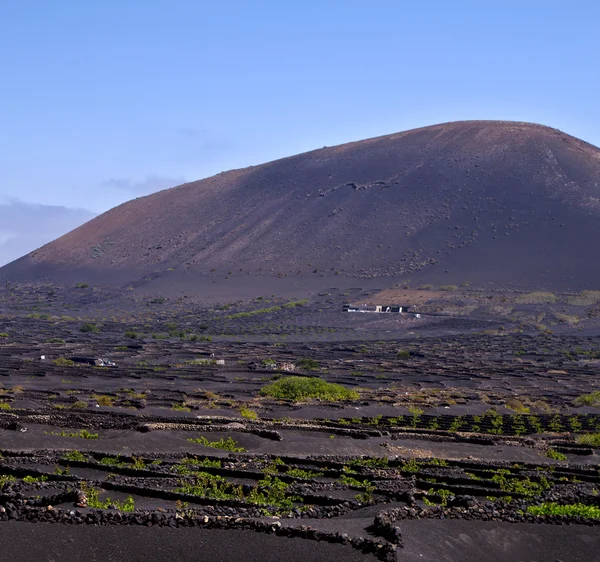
(303, 388)
(102, 399)
(89, 328)
(4, 406)
(81, 285)
(93, 500)
(248, 414)
(34, 479)
(131, 334)
(74, 456)
(3, 335)
(415, 410)
(552, 454)
(591, 399)
(79, 405)
(448, 288)
(5, 479)
(516, 405)
(55, 340)
(574, 510)
(425, 287)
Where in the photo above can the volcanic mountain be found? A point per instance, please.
(506, 203)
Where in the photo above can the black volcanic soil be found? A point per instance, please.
(24, 542)
(513, 204)
(450, 444)
(466, 421)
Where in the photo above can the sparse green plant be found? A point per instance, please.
(411, 466)
(572, 510)
(81, 434)
(34, 479)
(590, 439)
(93, 500)
(555, 424)
(89, 328)
(74, 456)
(555, 455)
(591, 399)
(6, 479)
(228, 444)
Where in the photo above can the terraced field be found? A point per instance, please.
(406, 445)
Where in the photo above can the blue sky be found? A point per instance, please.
(105, 101)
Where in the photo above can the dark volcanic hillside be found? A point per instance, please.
(500, 202)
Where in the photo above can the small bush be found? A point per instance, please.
(425, 287)
(81, 285)
(4, 406)
(403, 354)
(63, 362)
(3, 335)
(103, 400)
(516, 405)
(538, 297)
(415, 410)
(248, 414)
(303, 388)
(89, 328)
(590, 439)
(131, 334)
(55, 340)
(448, 288)
(79, 405)
(180, 407)
(585, 298)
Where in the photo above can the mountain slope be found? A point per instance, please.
(484, 202)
